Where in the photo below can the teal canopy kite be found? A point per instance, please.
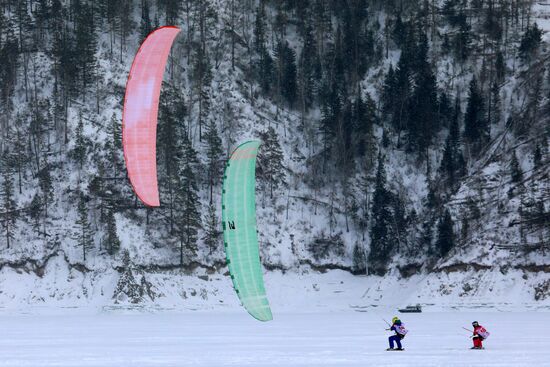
(240, 233)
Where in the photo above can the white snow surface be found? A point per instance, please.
(483, 271)
(291, 339)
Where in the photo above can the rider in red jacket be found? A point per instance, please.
(479, 334)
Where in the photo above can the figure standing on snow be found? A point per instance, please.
(400, 331)
(480, 334)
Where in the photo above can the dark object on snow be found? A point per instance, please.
(395, 349)
(411, 309)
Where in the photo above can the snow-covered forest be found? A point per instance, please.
(404, 140)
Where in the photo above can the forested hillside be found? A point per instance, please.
(403, 138)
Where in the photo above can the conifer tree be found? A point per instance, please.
(56, 16)
(426, 234)
(530, 43)
(452, 162)
(263, 65)
(187, 214)
(476, 129)
(399, 32)
(111, 236)
(358, 259)
(84, 230)
(445, 235)
(113, 145)
(422, 120)
(46, 187)
(42, 17)
(213, 155)
(331, 110)
(171, 131)
(24, 30)
(473, 209)
(364, 118)
(260, 31)
(400, 223)
(172, 9)
(271, 171)
(202, 77)
(402, 89)
(464, 228)
(86, 46)
(495, 108)
(432, 204)
(388, 91)
(382, 237)
(515, 169)
(445, 109)
(322, 21)
(306, 69)
(35, 211)
(338, 66)
(212, 233)
(19, 155)
(80, 143)
(65, 64)
(123, 10)
(500, 67)
(8, 210)
(2, 24)
(281, 20)
(365, 183)
(531, 109)
(285, 58)
(9, 61)
(343, 147)
(492, 23)
(448, 162)
(128, 288)
(145, 24)
(433, 201)
(463, 38)
(264, 68)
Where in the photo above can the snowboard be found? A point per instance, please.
(395, 350)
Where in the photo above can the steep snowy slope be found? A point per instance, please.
(308, 233)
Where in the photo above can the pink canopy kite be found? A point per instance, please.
(139, 117)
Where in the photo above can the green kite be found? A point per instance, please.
(239, 230)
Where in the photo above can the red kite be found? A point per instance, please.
(139, 117)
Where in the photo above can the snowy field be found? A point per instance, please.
(234, 339)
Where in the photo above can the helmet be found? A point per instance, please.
(475, 323)
(395, 319)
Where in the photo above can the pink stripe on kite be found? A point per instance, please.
(139, 117)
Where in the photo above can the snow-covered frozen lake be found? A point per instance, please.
(234, 339)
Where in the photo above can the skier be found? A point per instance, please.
(400, 332)
(480, 334)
